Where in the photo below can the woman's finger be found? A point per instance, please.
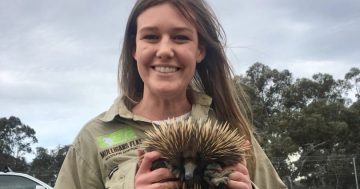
(239, 185)
(162, 175)
(244, 162)
(240, 167)
(140, 155)
(165, 185)
(239, 180)
(147, 161)
(237, 176)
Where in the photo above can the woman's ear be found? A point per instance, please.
(200, 54)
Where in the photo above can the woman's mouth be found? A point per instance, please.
(165, 69)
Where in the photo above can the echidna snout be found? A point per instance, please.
(189, 167)
(189, 163)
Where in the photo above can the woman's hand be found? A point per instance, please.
(147, 179)
(239, 178)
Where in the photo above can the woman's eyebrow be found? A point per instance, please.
(183, 29)
(175, 29)
(148, 28)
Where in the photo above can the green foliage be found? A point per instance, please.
(353, 79)
(311, 119)
(15, 137)
(46, 165)
(15, 141)
(16, 164)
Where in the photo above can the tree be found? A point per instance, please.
(16, 139)
(266, 88)
(16, 164)
(47, 164)
(42, 165)
(59, 155)
(353, 78)
(309, 118)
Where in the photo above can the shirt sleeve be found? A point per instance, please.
(77, 173)
(265, 175)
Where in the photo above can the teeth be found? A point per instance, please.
(164, 69)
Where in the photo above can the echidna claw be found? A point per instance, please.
(214, 175)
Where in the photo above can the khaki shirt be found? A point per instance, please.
(104, 154)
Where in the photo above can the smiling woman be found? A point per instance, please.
(167, 51)
(172, 65)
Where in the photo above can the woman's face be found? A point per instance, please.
(167, 51)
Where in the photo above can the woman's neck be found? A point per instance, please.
(161, 109)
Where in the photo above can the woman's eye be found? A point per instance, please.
(181, 38)
(151, 37)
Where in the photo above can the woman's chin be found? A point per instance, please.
(169, 91)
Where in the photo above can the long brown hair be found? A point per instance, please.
(213, 75)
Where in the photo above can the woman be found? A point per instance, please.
(172, 64)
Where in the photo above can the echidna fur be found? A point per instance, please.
(196, 152)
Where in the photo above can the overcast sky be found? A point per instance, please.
(58, 59)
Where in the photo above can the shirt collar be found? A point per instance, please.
(200, 109)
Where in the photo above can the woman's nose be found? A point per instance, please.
(165, 49)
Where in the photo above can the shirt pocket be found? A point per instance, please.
(123, 176)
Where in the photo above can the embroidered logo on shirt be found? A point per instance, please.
(121, 136)
(120, 149)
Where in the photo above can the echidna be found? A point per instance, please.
(196, 152)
